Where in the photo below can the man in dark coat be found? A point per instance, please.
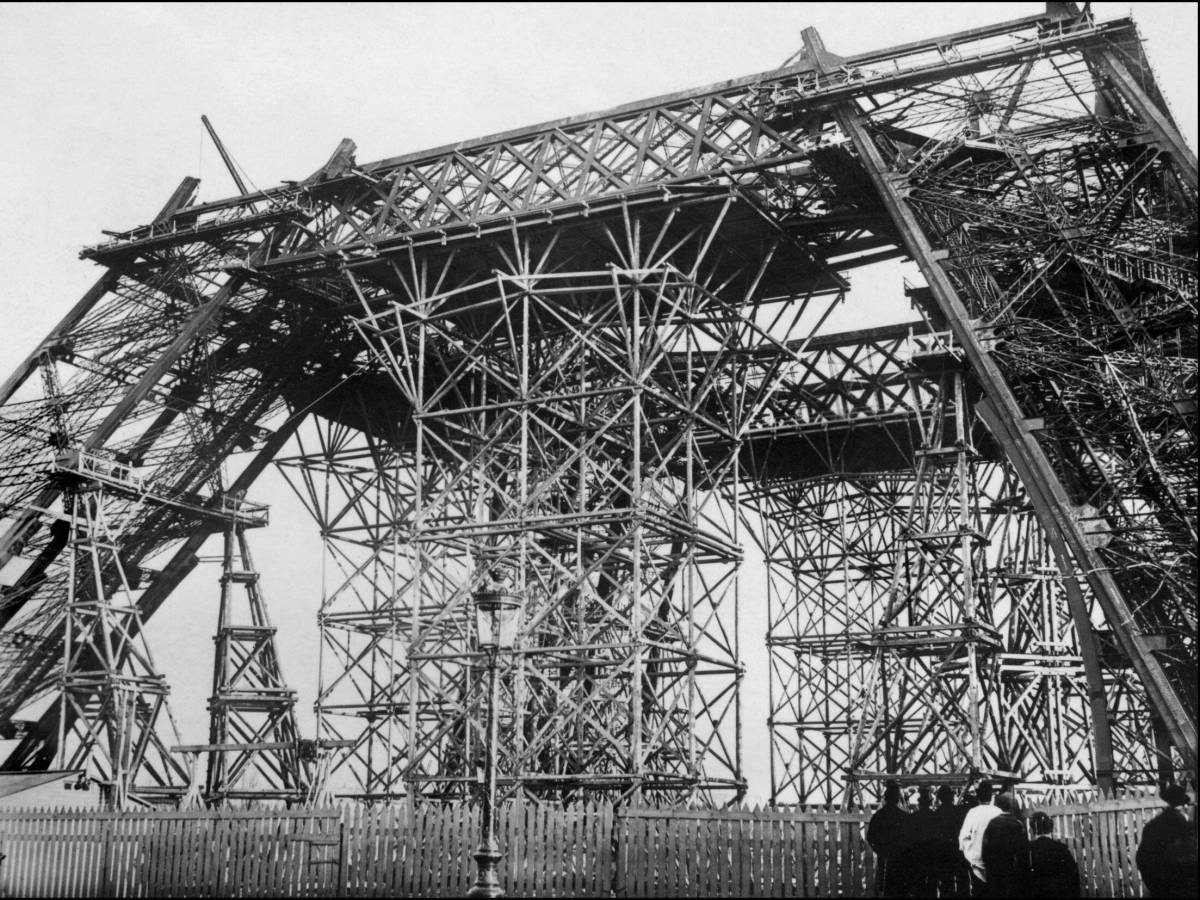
(887, 835)
(1167, 855)
(922, 849)
(1006, 851)
(953, 873)
(1053, 871)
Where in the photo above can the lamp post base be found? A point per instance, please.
(487, 883)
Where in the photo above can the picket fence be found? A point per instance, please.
(592, 850)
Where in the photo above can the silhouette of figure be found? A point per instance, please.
(887, 835)
(970, 836)
(970, 799)
(1053, 871)
(951, 869)
(1005, 851)
(1166, 856)
(922, 848)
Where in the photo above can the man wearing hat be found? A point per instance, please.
(1167, 855)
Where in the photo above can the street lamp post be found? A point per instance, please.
(497, 613)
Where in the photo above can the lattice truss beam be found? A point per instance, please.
(1030, 169)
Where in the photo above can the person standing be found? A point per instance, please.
(921, 853)
(953, 878)
(887, 835)
(970, 836)
(1166, 856)
(1053, 871)
(1005, 851)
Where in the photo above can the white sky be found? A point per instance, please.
(100, 118)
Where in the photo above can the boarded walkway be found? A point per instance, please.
(425, 851)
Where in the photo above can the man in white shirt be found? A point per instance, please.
(970, 836)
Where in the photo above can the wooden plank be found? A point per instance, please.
(154, 847)
(569, 831)
(422, 864)
(411, 873)
(434, 834)
(350, 867)
(235, 837)
(73, 856)
(632, 856)
(696, 861)
(643, 855)
(770, 877)
(759, 879)
(59, 848)
(860, 850)
(534, 852)
(165, 849)
(99, 832)
(1128, 851)
(728, 873)
(806, 857)
(1087, 831)
(449, 873)
(49, 849)
(787, 835)
(815, 860)
(188, 832)
(370, 851)
(824, 882)
(353, 875)
(782, 835)
(775, 886)
(129, 882)
(114, 859)
(607, 877)
(560, 827)
(1122, 822)
(847, 860)
(1109, 855)
(703, 857)
(762, 857)
(286, 855)
(666, 832)
(683, 858)
(1141, 817)
(192, 847)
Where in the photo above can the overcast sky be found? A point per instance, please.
(100, 119)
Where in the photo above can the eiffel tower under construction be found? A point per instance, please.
(593, 354)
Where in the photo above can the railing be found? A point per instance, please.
(121, 478)
(586, 850)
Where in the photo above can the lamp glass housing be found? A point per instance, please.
(497, 617)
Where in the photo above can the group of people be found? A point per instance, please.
(979, 845)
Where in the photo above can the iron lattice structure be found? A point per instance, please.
(590, 357)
